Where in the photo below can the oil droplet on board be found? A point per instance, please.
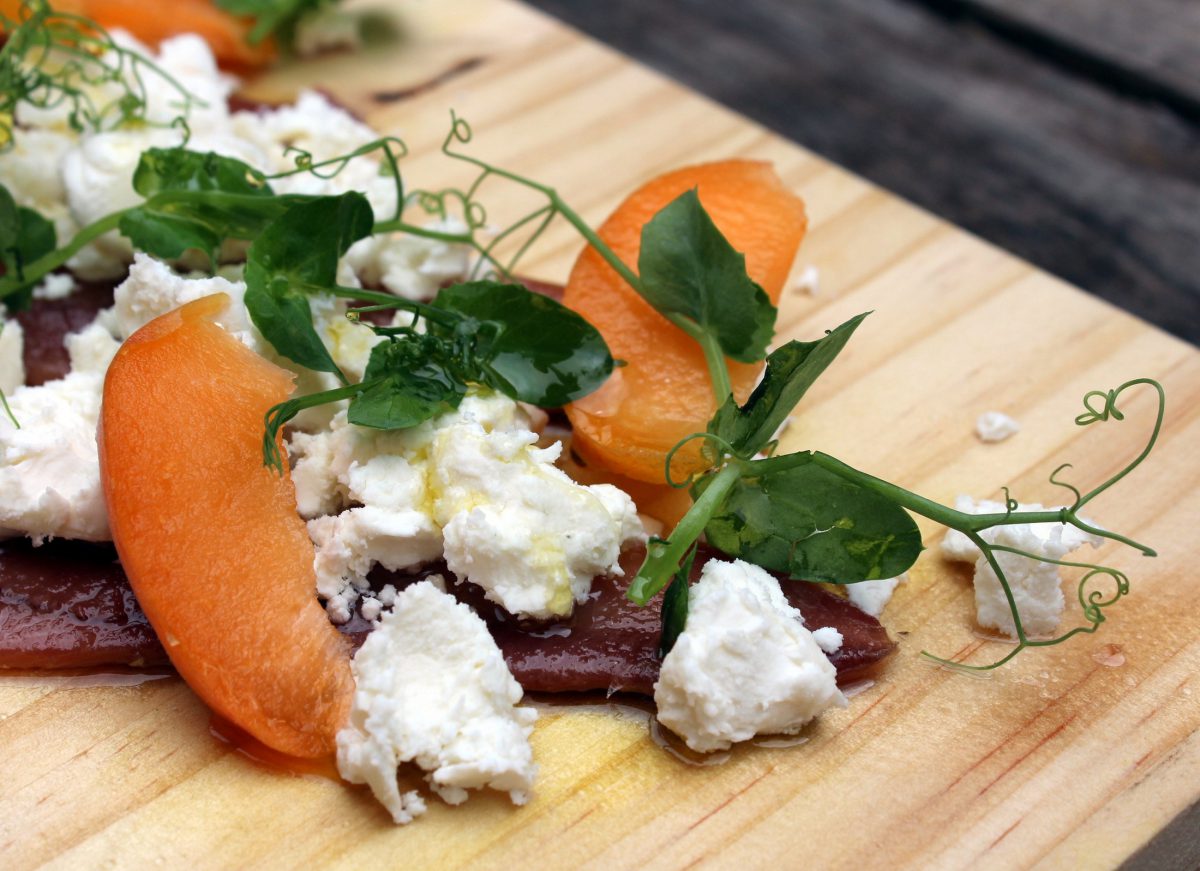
(673, 744)
(859, 686)
(1109, 655)
(775, 742)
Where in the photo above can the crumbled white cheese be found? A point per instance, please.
(49, 467)
(371, 608)
(517, 526)
(873, 596)
(995, 426)
(828, 639)
(809, 281)
(1036, 585)
(470, 486)
(744, 664)
(956, 545)
(153, 289)
(350, 544)
(317, 127)
(56, 285)
(411, 266)
(432, 688)
(31, 169)
(91, 349)
(98, 177)
(12, 361)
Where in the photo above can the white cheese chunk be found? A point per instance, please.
(828, 639)
(956, 545)
(1036, 585)
(31, 169)
(411, 266)
(744, 664)
(995, 426)
(432, 688)
(98, 177)
(153, 288)
(91, 349)
(315, 126)
(470, 486)
(49, 468)
(517, 526)
(12, 361)
(56, 285)
(873, 596)
(809, 282)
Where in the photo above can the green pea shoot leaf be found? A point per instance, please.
(815, 525)
(693, 276)
(790, 371)
(296, 255)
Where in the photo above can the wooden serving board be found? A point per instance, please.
(1061, 758)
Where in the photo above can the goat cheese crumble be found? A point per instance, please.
(995, 426)
(744, 664)
(49, 466)
(432, 688)
(12, 356)
(470, 486)
(873, 596)
(1036, 585)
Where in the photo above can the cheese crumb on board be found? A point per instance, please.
(744, 664)
(432, 688)
(1036, 585)
(995, 426)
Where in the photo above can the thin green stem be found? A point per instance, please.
(8, 411)
(398, 226)
(599, 245)
(663, 557)
(1111, 410)
(718, 369)
(388, 301)
(278, 415)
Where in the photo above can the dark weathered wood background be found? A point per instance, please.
(1067, 131)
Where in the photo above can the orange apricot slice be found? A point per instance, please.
(210, 538)
(663, 392)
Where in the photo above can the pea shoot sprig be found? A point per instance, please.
(808, 514)
(54, 59)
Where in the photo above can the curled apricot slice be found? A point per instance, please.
(663, 393)
(210, 539)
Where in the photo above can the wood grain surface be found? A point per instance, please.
(1059, 759)
(977, 110)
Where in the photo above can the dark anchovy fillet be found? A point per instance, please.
(68, 605)
(611, 644)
